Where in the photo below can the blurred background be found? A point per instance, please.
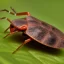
(50, 11)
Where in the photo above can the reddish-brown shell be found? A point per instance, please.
(41, 32)
(44, 33)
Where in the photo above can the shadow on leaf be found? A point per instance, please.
(20, 37)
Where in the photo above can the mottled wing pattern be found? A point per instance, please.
(44, 33)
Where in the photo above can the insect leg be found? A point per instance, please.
(14, 13)
(13, 10)
(9, 11)
(6, 19)
(22, 13)
(5, 10)
(25, 42)
(6, 29)
(8, 34)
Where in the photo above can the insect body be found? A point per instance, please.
(36, 30)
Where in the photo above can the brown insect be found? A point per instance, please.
(36, 30)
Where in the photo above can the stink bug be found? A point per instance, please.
(35, 29)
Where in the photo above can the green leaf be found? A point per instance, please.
(32, 53)
(50, 11)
